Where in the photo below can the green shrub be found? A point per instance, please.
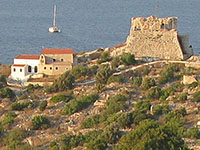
(30, 88)
(15, 138)
(17, 106)
(154, 137)
(110, 118)
(102, 76)
(76, 105)
(91, 121)
(178, 87)
(40, 122)
(97, 144)
(23, 96)
(6, 93)
(139, 116)
(118, 79)
(148, 83)
(154, 93)
(64, 82)
(173, 67)
(115, 104)
(167, 75)
(137, 81)
(61, 97)
(196, 96)
(9, 118)
(125, 120)
(70, 141)
(105, 56)
(53, 146)
(161, 109)
(43, 105)
(111, 134)
(80, 70)
(192, 133)
(176, 115)
(167, 92)
(143, 106)
(182, 97)
(28, 104)
(92, 135)
(128, 59)
(22, 106)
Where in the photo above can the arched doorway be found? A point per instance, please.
(36, 69)
(29, 68)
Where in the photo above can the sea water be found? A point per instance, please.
(85, 24)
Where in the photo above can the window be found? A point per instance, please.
(54, 60)
(42, 57)
(56, 68)
(45, 68)
(35, 69)
(62, 59)
(66, 68)
(14, 69)
(20, 70)
(50, 68)
(29, 68)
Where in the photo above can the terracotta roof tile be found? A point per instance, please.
(26, 56)
(57, 51)
(18, 65)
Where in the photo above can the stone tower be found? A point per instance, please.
(156, 38)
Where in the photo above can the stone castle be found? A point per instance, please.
(155, 38)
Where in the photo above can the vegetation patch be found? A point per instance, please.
(76, 105)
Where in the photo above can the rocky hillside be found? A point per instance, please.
(105, 103)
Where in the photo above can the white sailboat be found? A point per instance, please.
(54, 28)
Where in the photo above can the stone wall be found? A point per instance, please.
(156, 38)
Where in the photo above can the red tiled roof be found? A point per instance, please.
(26, 56)
(57, 51)
(18, 65)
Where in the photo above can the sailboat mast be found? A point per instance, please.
(54, 16)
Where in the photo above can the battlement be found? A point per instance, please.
(153, 23)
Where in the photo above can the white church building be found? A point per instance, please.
(24, 66)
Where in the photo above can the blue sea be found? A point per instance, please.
(85, 24)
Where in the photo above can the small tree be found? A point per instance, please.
(64, 82)
(102, 76)
(128, 59)
(40, 122)
(80, 70)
